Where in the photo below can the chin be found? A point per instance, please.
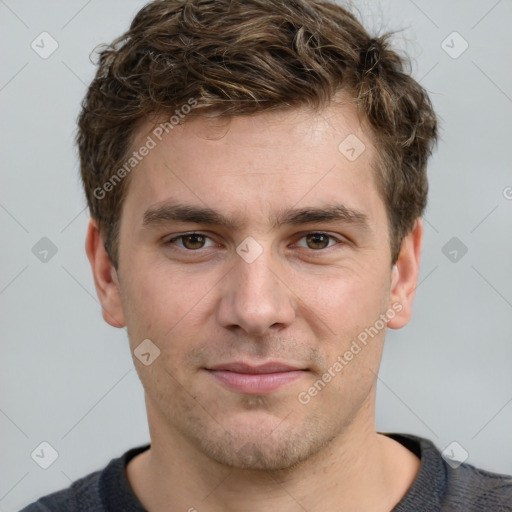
(257, 455)
(260, 443)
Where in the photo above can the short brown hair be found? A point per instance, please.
(243, 57)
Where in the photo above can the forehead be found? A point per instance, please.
(297, 127)
(249, 165)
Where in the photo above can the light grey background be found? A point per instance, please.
(67, 378)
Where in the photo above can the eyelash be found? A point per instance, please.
(180, 237)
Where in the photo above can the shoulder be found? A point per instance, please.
(479, 489)
(104, 490)
(444, 485)
(81, 495)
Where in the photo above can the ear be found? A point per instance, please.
(105, 277)
(404, 277)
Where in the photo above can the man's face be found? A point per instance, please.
(277, 286)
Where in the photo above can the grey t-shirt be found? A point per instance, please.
(437, 488)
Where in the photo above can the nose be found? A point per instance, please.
(255, 297)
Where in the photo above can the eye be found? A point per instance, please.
(318, 240)
(190, 241)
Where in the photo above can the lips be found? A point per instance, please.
(255, 369)
(255, 379)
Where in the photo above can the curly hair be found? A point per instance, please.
(244, 57)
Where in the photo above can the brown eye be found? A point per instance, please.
(317, 240)
(193, 241)
(190, 241)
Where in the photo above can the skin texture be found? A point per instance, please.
(301, 302)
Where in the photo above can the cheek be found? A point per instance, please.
(158, 294)
(350, 306)
(348, 297)
(165, 308)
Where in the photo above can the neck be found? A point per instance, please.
(358, 470)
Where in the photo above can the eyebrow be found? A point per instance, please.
(177, 212)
